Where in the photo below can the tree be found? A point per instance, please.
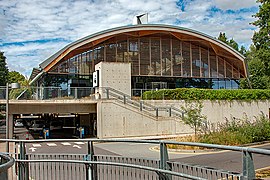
(3, 70)
(258, 79)
(193, 117)
(15, 77)
(259, 55)
(222, 37)
(261, 39)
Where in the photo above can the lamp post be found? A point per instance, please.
(12, 86)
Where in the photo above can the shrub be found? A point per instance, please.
(239, 131)
(208, 94)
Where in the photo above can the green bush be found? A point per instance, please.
(208, 94)
(237, 132)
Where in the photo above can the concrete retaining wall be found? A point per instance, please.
(117, 120)
(219, 111)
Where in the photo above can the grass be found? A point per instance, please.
(236, 132)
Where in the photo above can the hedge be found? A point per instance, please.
(208, 94)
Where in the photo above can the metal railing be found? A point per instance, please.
(6, 162)
(90, 165)
(43, 93)
(148, 108)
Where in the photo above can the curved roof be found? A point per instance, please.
(181, 33)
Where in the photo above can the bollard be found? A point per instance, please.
(27, 135)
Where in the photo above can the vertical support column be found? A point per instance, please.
(248, 165)
(7, 117)
(91, 172)
(23, 166)
(163, 164)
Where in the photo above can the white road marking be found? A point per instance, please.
(79, 142)
(77, 146)
(51, 144)
(32, 149)
(66, 143)
(36, 145)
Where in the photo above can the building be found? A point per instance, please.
(161, 56)
(129, 60)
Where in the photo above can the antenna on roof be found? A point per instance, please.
(140, 19)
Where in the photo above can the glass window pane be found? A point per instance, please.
(186, 59)
(177, 57)
(213, 64)
(133, 56)
(204, 63)
(220, 67)
(144, 56)
(110, 52)
(122, 52)
(155, 57)
(195, 61)
(166, 57)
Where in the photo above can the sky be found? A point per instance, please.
(33, 30)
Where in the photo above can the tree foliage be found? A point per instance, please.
(3, 70)
(231, 42)
(259, 54)
(193, 116)
(15, 77)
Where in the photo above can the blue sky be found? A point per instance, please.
(33, 30)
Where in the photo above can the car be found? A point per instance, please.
(37, 125)
(19, 123)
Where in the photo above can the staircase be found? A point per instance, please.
(156, 111)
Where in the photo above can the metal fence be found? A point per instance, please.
(96, 166)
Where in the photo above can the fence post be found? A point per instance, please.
(163, 164)
(91, 171)
(141, 105)
(248, 165)
(23, 166)
(59, 93)
(107, 93)
(76, 93)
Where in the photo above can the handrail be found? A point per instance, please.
(9, 162)
(142, 104)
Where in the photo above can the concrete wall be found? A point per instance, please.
(117, 120)
(115, 75)
(218, 111)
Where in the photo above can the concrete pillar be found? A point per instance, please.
(11, 126)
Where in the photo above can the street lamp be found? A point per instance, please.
(12, 86)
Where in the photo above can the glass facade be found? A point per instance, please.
(155, 58)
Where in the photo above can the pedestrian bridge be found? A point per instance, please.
(91, 165)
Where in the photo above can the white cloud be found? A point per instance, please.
(234, 5)
(29, 22)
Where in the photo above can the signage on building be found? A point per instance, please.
(96, 78)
